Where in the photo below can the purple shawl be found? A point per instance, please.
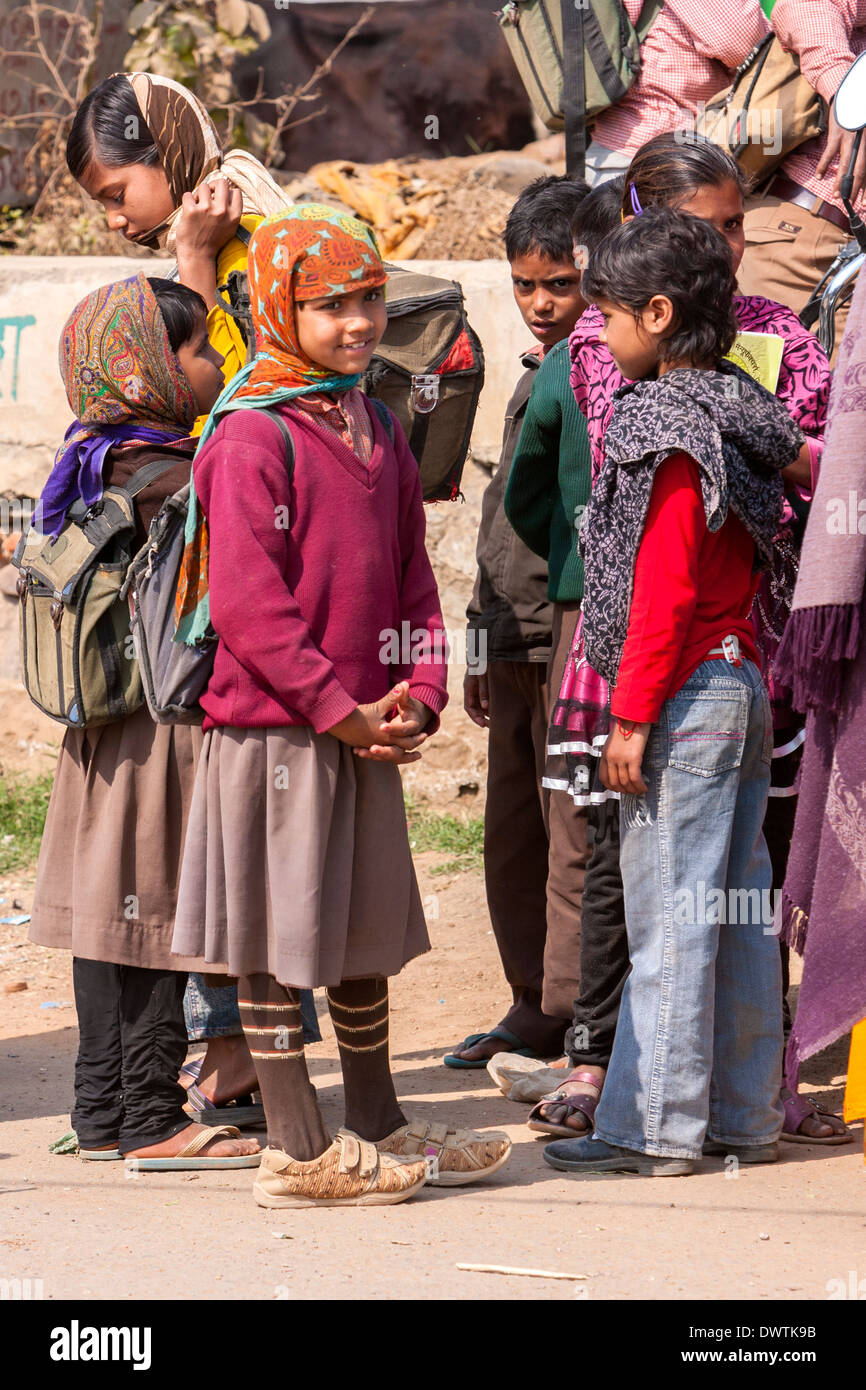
(824, 660)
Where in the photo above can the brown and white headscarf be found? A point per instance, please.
(190, 154)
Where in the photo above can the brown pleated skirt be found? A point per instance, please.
(109, 864)
(297, 861)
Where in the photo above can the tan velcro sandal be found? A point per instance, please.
(351, 1173)
(454, 1156)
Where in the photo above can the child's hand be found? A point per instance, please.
(372, 734)
(401, 733)
(622, 757)
(210, 218)
(408, 718)
(476, 699)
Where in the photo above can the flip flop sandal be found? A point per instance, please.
(189, 1156)
(519, 1048)
(797, 1109)
(574, 1105)
(68, 1144)
(238, 1112)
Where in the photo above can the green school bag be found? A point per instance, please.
(576, 58)
(77, 658)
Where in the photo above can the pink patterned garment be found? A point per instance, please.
(688, 55)
(579, 722)
(827, 35)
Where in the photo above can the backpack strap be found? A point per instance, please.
(647, 18)
(140, 479)
(574, 88)
(289, 442)
(147, 474)
(385, 416)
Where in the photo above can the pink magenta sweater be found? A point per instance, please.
(309, 577)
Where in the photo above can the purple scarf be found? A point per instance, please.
(823, 658)
(78, 471)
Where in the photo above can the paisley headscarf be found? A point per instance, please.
(190, 154)
(306, 252)
(124, 385)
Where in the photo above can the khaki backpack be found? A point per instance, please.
(551, 41)
(77, 657)
(767, 111)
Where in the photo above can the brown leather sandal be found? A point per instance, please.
(574, 1105)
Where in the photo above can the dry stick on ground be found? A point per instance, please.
(513, 1269)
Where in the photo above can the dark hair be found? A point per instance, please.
(540, 220)
(109, 125)
(182, 309)
(669, 169)
(598, 214)
(681, 257)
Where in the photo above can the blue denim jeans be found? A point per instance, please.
(698, 1046)
(213, 1012)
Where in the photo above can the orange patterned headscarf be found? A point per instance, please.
(307, 252)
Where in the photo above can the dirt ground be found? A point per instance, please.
(777, 1232)
(781, 1232)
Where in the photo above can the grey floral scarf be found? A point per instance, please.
(739, 435)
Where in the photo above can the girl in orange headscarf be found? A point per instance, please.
(329, 671)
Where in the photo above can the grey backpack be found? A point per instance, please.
(173, 674)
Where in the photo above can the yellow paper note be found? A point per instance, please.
(759, 354)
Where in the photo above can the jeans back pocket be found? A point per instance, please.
(707, 730)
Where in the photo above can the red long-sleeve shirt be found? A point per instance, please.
(691, 589)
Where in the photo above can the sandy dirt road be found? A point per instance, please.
(89, 1231)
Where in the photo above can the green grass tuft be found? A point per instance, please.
(23, 806)
(462, 839)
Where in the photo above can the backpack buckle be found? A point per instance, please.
(425, 392)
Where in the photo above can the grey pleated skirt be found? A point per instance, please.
(297, 862)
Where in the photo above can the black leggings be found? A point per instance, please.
(132, 1044)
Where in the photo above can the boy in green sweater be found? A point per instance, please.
(535, 917)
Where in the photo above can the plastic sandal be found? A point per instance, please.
(797, 1109)
(68, 1144)
(238, 1112)
(574, 1105)
(517, 1044)
(190, 1155)
(524, 1079)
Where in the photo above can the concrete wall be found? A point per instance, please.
(37, 294)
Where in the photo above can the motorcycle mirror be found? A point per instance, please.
(849, 105)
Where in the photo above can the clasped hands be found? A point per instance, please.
(387, 731)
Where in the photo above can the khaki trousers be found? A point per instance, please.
(788, 249)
